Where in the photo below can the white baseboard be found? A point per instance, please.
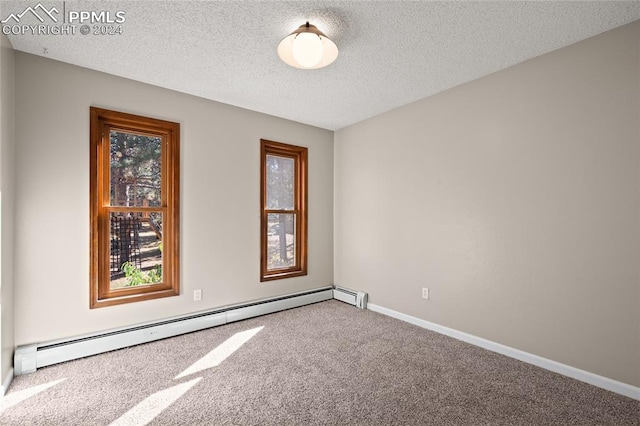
(6, 383)
(566, 370)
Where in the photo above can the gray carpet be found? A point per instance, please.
(327, 363)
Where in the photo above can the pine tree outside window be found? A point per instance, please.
(134, 196)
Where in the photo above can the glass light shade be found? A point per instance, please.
(307, 48)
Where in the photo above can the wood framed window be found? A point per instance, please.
(134, 201)
(283, 206)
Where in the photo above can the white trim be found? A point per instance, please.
(566, 370)
(6, 383)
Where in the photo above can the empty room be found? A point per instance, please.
(319, 212)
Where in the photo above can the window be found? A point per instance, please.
(134, 193)
(283, 206)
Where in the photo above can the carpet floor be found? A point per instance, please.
(326, 364)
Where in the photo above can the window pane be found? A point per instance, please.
(136, 249)
(135, 169)
(281, 241)
(280, 183)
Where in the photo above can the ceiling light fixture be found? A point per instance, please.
(307, 48)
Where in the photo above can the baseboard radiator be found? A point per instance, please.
(31, 357)
(27, 359)
(352, 297)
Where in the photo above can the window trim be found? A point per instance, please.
(99, 195)
(299, 155)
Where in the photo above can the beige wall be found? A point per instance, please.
(7, 205)
(220, 157)
(515, 199)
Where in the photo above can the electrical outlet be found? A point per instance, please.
(425, 293)
(197, 295)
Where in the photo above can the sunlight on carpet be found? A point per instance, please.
(17, 397)
(153, 405)
(220, 353)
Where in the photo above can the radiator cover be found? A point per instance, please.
(352, 297)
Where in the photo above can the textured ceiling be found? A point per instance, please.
(391, 52)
